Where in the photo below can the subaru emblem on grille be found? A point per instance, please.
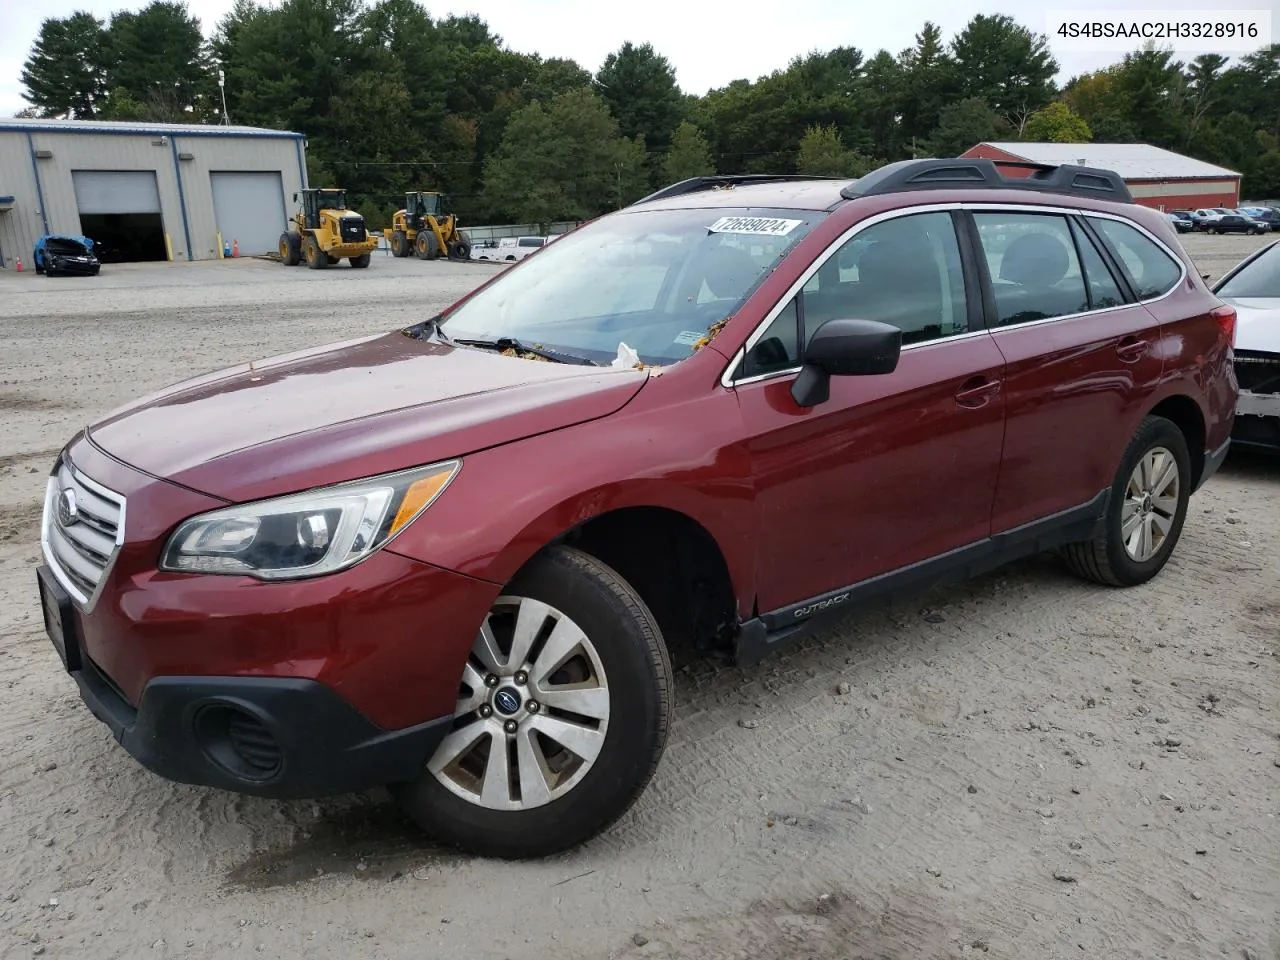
(68, 512)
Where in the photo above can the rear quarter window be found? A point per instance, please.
(1151, 271)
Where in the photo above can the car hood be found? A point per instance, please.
(349, 410)
(1257, 323)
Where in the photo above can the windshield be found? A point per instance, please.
(332, 199)
(654, 280)
(1259, 278)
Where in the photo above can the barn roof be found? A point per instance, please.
(1133, 161)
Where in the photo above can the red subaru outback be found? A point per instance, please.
(451, 559)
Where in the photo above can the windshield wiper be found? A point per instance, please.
(510, 343)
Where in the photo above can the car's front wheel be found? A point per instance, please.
(561, 717)
(1145, 512)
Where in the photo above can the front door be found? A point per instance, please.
(1080, 362)
(891, 469)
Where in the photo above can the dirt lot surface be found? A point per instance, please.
(1022, 767)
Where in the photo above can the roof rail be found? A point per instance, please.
(970, 174)
(694, 184)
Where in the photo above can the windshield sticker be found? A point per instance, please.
(689, 337)
(758, 226)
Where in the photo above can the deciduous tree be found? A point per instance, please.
(689, 156)
(1057, 123)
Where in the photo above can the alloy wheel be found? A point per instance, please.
(1150, 504)
(532, 712)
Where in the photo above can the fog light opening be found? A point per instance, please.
(238, 743)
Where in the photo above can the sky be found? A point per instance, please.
(709, 42)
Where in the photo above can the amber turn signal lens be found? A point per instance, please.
(419, 494)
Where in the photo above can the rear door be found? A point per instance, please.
(1082, 360)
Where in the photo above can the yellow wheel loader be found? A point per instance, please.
(324, 231)
(425, 228)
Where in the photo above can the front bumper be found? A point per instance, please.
(280, 737)
(1258, 404)
(348, 680)
(1259, 432)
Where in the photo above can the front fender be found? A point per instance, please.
(508, 502)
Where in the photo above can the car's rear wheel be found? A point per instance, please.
(561, 717)
(1145, 513)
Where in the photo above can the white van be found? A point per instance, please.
(508, 248)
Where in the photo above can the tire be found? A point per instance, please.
(316, 258)
(428, 247)
(360, 262)
(630, 664)
(290, 248)
(399, 244)
(1105, 558)
(459, 250)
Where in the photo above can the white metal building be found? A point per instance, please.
(1156, 177)
(147, 191)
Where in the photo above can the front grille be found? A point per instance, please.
(81, 531)
(1258, 372)
(352, 229)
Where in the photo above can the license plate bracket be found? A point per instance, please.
(59, 619)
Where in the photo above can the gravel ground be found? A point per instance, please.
(1024, 766)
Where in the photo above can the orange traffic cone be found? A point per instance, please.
(20, 267)
(235, 248)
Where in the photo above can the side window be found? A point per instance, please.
(1035, 273)
(1151, 271)
(905, 271)
(777, 349)
(1103, 290)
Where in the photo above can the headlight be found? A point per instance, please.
(306, 534)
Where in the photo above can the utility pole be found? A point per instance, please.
(222, 86)
(618, 167)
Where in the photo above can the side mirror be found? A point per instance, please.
(845, 348)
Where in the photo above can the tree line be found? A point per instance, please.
(394, 100)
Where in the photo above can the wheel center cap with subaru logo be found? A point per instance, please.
(68, 511)
(506, 701)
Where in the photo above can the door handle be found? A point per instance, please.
(1131, 349)
(977, 391)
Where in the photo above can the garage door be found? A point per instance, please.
(120, 210)
(116, 191)
(249, 209)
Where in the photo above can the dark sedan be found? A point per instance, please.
(66, 255)
(1236, 223)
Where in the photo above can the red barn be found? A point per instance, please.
(1157, 178)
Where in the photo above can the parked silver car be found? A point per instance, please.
(1252, 287)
